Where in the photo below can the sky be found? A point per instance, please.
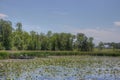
(95, 18)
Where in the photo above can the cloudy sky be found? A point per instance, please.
(97, 18)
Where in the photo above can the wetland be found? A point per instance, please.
(61, 68)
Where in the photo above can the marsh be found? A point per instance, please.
(62, 68)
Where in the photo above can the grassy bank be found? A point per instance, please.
(32, 54)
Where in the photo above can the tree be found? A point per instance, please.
(26, 40)
(44, 42)
(85, 46)
(5, 34)
(90, 44)
(113, 45)
(54, 41)
(69, 45)
(19, 27)
(33, 41)
(18, 41)
(101, 45)
(49, 40)
(81, 42)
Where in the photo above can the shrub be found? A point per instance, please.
(4, 55)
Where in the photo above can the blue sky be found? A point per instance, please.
(97, 18)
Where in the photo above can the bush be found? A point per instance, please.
(4, 55)
(32, 54)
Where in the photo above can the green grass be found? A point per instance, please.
(4, 55)
(32, 54)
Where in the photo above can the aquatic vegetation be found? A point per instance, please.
(61, 68)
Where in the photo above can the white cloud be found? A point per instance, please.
(2, 16)
(102, 34)
(117, 23)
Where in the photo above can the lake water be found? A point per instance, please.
(95, 68)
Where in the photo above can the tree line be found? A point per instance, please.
(108, 45)
(18, 39)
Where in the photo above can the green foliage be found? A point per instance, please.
(33, 54)
(18, 39)
(101, 45)
(4, 55)
(5, 34)
(27, 55)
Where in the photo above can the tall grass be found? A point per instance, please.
(32, 54)
(4, 55)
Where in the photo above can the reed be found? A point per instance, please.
(33, 54)
(4, 55)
